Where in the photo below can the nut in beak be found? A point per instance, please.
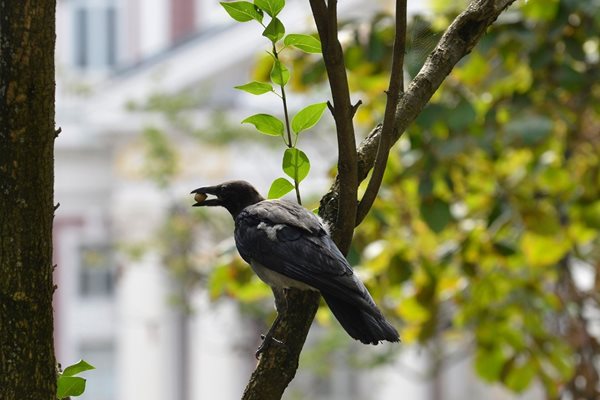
(200, 197)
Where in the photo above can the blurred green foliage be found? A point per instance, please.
(180, 116)
(490, 205)
(161, 161)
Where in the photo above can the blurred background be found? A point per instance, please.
(483, 248)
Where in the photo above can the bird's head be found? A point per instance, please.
(233, 195)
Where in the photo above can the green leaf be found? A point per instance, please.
(425, 187)
(413, 311)
(489, 362)
(280, 75)
(161, 157)
(306, 43)
(436, 213)
(69, 386)
(542, 10)
(274, 31)
(271, 7)
(570, 78)
(462, 116)
(252, 291)
(295, 164)
(280, 187)
(529, 129)
(242, 11)
(255, 87)
(266, 124)
(75, 369)
(561, 358)
(220, 278)
(519, 377)
(591, 214)
(542, 251)
(308, 117)
(430, 115)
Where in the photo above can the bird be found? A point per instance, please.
(289, 246)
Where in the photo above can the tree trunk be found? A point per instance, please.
(279, 362)
(27, 38)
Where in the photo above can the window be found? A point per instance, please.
(81, 30)
(95, 36)
(96, 271)
(111, 36)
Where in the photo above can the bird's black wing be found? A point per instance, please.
(286, 213)
(290, 240)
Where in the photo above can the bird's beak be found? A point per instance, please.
(200, 195)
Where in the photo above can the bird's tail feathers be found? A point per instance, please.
(367, 325)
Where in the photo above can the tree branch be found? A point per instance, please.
(395, 90)
(326, 20)
(458, 40)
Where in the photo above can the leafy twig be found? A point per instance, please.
(290, 143)
(295, 164)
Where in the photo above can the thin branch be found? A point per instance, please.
(395, 90)
(284, 101)
(355, 107)
(326, 20)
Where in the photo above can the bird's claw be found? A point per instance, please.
(266, 341)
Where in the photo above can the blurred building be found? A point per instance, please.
(112, 309)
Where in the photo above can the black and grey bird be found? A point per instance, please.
(289, 247)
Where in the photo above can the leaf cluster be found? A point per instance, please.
(295, 163)
(68, 383)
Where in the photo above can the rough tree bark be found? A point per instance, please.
(27, 38)
(277, 365)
